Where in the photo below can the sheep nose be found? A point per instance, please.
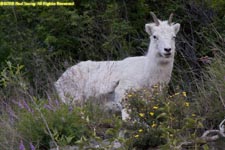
(167, 49)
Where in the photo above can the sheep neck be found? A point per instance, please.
(158, 69)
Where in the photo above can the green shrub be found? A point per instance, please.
(161, 119)
(166, 121)
(13, 83)
(44, 121)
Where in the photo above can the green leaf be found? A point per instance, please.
(162, 115)
(69, 139)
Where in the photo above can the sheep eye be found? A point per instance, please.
(174, 37)
(155, 37)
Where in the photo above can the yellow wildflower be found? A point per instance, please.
(129, 95)
(140, 130)
(153, 125)
(141, 114)
(184, 94)
(136, 136)
(151, 113)
(193, 115)
(155, 107)
(155, 86)
(187, 104)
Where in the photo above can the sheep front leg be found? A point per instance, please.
(119, 95)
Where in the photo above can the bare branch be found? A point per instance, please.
(221, 126)
(207, 136)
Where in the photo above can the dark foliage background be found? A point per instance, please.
(46, 40)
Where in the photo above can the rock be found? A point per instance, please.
(117, 145)
(93, 144)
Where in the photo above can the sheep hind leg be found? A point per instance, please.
(125, 115)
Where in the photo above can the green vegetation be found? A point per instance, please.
(38, 43)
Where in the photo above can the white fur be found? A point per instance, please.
(91, 78)
(84, 80)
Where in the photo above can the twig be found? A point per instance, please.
(207, 136)
(220, 96)
(44, 120)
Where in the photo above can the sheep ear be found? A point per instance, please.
(176, 27)
(148, 28)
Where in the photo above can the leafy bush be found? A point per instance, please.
(43, 123)
(162, 119)
(12, 83)
(168, 120)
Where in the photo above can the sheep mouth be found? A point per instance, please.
(167, 55)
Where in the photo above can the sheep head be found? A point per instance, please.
(162, 35)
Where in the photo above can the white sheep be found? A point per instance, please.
(92, 78)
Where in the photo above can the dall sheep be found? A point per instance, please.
(91, 78)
